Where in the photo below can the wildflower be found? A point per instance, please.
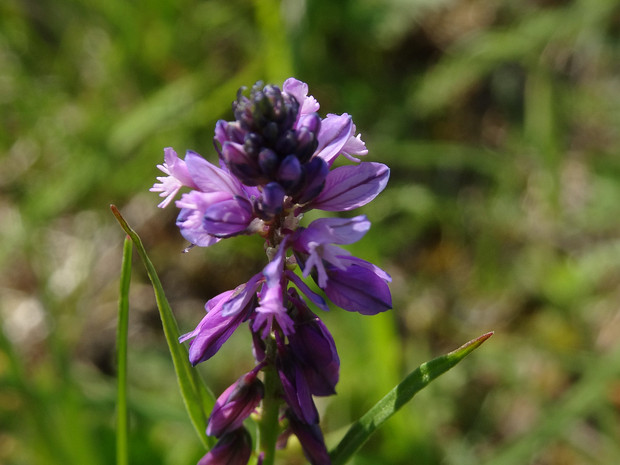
(224, 315)
(277, 161)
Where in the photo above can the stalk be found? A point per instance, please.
(268, 425)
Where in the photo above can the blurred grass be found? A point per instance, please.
(499, 120)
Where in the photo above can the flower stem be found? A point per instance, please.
(268, 425)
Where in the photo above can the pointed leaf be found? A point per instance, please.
(198, 399)
(361, 430)
(122, 452)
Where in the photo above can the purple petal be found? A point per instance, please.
(234, 448)
(212, 332)
(296, 391)
(210, 178)
(235, 404)
(299, 90)
(274, 269)
(316, 172)
(334, 133)
(303, 287)
(336, 230)
(228, 218)
(177, 177)
(190, 225)
(354, 146)
(351, 186)
(350, 260)
(242, 296)
(311, 440)
(358, 289)
(271, 310)
(314, 346)
(227, 132)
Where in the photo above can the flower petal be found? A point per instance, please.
(227, 218)
(358, 289)
(299, 90)
(210, 178)
(235, 404)
(234, 448)
(333, 135)
(351, 186)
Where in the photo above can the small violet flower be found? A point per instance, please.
(277, 160)
(235, 404)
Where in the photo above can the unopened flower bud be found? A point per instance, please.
(233, 448)
(235, 404)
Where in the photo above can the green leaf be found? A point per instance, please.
(122, 452)
(417, 380)
(197, 397)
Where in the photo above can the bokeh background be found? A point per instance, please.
(500, 122)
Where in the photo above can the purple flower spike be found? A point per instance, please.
(311, 440)
(233, 448)
(277, 162)
(235, 404)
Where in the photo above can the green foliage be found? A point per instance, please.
(499, 120)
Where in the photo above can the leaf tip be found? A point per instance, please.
(473, 344)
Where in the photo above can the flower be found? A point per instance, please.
(277, 161)
(225, 313)
(233, 448)
(235, 404)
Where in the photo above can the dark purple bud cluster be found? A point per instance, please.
(270, 145)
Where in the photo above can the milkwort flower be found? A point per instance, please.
(276, 162)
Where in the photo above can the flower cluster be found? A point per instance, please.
(276, 162)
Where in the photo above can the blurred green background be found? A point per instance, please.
(500, 122)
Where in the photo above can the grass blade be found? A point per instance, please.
(122, 450)
(197, 397)
(361, 430)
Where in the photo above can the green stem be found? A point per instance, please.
(122, 456)
(268, 425)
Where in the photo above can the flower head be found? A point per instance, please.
(277, 160)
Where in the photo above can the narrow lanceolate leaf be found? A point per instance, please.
(417, 380)
(122, 453)
(198, 398)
